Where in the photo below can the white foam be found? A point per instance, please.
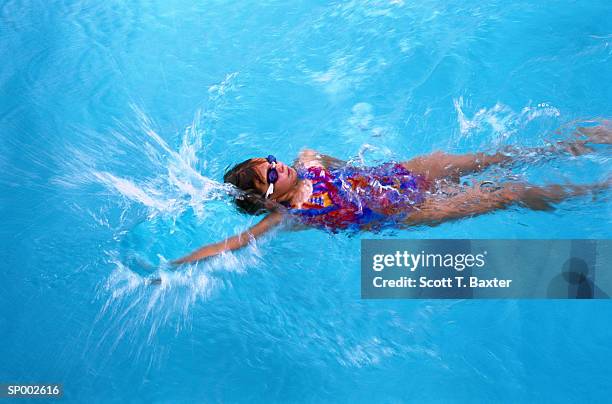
(500, 118)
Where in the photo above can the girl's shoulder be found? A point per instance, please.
(312, 158)
(307, 158)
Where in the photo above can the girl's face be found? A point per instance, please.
(287, 179)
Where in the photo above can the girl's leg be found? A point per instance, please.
(475, 201)
(440, 165)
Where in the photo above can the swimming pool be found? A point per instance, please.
(117, 121)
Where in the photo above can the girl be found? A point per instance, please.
(322, 191)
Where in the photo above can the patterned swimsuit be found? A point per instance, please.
(360, 197)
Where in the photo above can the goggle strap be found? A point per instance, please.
(270, 190)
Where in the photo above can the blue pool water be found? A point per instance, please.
(118, 119)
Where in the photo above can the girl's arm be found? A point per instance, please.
(233, 243)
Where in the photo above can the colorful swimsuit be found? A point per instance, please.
(357, 197)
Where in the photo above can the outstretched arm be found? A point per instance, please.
(233, 243)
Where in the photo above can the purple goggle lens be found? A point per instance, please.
(272, 174)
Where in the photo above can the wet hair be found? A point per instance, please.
(245, 177)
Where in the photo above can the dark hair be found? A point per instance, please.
(244, 177)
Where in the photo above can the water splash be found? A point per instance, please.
(500, 118)
(136, 167)
(171, 183)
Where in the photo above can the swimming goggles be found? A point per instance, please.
(271, 175)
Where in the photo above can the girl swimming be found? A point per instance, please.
(323, 191)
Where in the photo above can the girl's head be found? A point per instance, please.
(251, 176)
